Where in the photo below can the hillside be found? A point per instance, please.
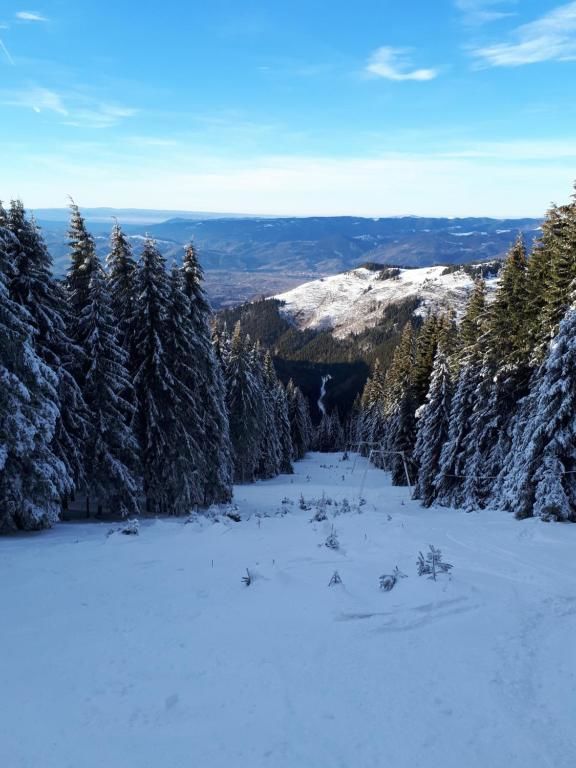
(339, 325)
(351, 302)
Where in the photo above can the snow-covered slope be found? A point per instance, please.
(123, 651)
(355, 300)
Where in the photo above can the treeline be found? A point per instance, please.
(484, 413)
(112, 391)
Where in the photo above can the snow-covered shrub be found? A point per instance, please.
(388, 581)
(335, 579)
(302, 504)
(320, 513)
(131, 527)
(432, 565)
(332, 540)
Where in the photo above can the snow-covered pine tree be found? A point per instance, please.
(400, 408)
(83, 262)
(190, 472)
(163, 401)
(426, 346)
(121, 266)
(270, 448)
(111, 448)
(451, 474)
(209, 387)
(503, 380)
(34, 287)
(32, 478)
(299, 417)
(542, 479)
(371, 427)
(245, 408)
(433, 427)
(279, 401)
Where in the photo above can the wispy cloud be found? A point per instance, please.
(7, 53)
(550, 38)
(37, 99)
(394, 64)
(477, 12)
(30, 16)
(78, 109)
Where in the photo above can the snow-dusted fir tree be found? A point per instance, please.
(371, 420)
(300, 424)
(451, 474)
(83, 261)
(209, 388)
(245, 408)
(503, 379)
(111, 448)
(433, 427)
(542, 479)
(32, 478)
(163, 402)
(34, 287)
(279, 406)
(121, 266)
(400, 407)
(270, 448)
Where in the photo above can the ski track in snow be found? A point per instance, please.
(148, 650)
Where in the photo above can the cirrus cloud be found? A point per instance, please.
(552, 37)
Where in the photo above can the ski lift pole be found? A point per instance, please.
(406, 471)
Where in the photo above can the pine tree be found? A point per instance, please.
(32, 478)
(34, 287)
(300, 424)
(83, 262)
(245, 407)
(164, 402)
(433, 428)
(449, 482)
(121, 268)
(400, 407)
(111, 449)
(270, 448)
(542, 479)
(209, 387)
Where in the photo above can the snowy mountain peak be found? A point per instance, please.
(352, 301)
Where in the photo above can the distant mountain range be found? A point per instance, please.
(246, 257)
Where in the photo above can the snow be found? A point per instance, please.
(352, 301)
(149, 651)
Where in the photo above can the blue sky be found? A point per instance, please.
(432, 107)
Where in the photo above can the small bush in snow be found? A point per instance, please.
(247, 580)
(302, 504)
(320, 513)
(131, 527)
(432, 565)
(345, 507)
(335, 579)
(388, 581)
(332, 540)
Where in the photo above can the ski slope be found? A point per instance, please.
(352, 301)
(149, 651)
